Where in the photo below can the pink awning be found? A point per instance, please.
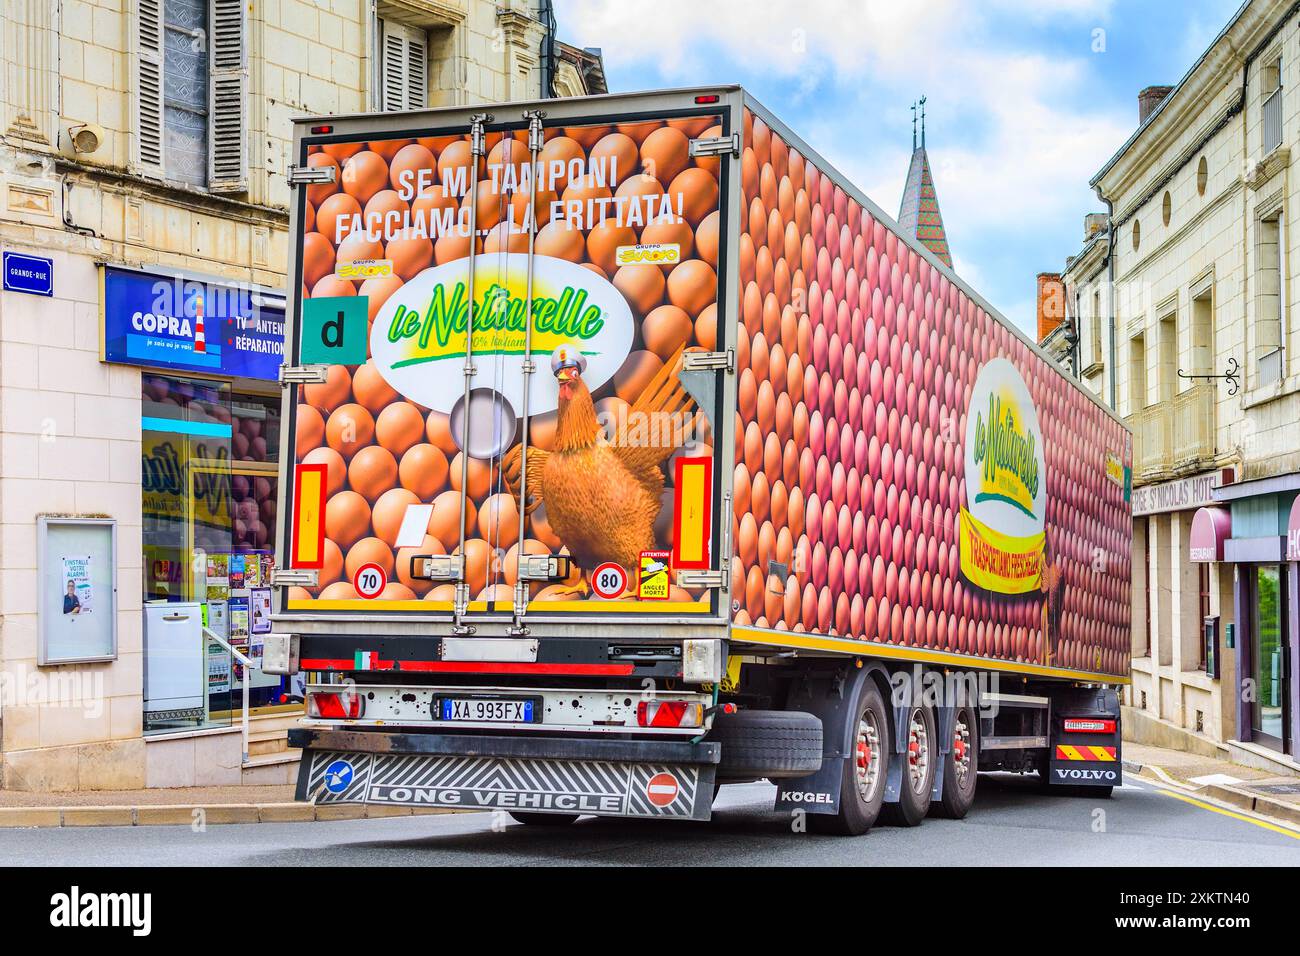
(1210, 528)
(1293, 532)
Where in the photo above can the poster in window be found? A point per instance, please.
(260, 608)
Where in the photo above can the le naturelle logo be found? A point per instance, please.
(1007, 457)
(437, 330)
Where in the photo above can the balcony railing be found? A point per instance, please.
(1273, 121)
(1175, 437)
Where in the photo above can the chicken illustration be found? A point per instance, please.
(601, 496)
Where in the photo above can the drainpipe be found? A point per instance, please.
(1110, 293)
(546, 14)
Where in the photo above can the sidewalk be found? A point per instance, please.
(1243, 787)
(183, 806)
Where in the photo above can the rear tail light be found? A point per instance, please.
(1088, 725)
(669, 713)
(335, 705)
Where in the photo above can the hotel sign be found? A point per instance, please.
(1180, 495)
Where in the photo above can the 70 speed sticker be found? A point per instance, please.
(369, 581)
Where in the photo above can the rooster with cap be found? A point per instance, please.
(602, 495)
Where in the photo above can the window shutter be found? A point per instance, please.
(405, 67)
(394, 96)
(417, 70)
(147, 92)
(228, 100)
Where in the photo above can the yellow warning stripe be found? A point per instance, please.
(1081, 752)
(504, 607)
(844, 645)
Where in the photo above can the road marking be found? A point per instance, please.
(1276, 828)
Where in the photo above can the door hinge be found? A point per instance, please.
(294, 577)
(715, 145)
(709, 361)
(701, 579)
(310, 175)
(304, 374)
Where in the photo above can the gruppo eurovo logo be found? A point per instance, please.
(1002, 523)
(422, 327)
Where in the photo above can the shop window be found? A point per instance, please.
(209, 503)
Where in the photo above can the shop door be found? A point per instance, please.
(1270, 710)
(186, 536)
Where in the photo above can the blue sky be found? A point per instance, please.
(1026, 99)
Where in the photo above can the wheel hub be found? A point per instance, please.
(961, 757)
(867, 763)
(918, 752)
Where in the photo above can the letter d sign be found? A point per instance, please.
(334, 331)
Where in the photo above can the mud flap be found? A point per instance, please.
(833, 698)
(1086, 759)
(602, 788)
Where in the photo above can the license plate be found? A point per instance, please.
(488, 710)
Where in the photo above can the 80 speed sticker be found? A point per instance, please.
(609, 580)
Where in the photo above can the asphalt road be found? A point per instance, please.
(1011, 823)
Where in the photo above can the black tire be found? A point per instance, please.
(914, 790)
(960, 772)
(529, 819)
(860, 806)
(768, 743)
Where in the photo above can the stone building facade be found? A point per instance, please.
(1184, 315)
(148, 141)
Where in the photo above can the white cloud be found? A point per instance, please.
(1012, 151)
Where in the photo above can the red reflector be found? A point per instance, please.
(707, 98)
(321, 130)
(334, 706)
(1089, 726)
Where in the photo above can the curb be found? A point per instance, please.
(190, 814)
(1264, 806)
(1285, 813)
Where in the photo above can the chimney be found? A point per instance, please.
(1051, 303)
(1149, 98)
(1093, 223)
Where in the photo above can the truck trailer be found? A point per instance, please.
(634, 451)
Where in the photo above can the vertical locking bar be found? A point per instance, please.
(535, 138)
(477, 148)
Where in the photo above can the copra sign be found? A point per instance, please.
(419, 336)
(1002, 524)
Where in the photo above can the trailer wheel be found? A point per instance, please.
(960, 775)
(862, 790)
(543, 819)
(768, 743)
(917, 778)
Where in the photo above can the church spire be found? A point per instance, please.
(918, 213)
